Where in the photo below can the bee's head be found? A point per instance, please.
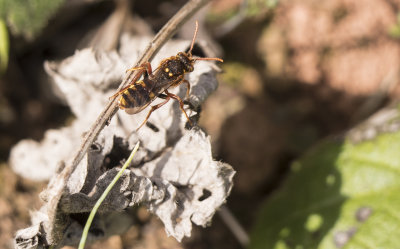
(187, 61)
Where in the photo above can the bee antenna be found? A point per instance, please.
(194, 38)
(209, 59)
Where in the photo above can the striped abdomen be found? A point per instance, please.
(135, 98)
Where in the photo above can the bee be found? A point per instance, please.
(155, 84)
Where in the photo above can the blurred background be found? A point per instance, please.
(294, 72)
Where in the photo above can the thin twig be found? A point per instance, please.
(233, 224)
(105, 116)
(162, 37)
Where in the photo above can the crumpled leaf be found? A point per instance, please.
(343, 194)
(173, 172)
(198, 187)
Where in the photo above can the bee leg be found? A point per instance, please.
(145, 66)
(187, 88)
(180, 104)
(180, 81)
(153, 108)
(135, 68)
(148, 65)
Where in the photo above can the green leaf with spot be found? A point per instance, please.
(28, 18)
(342, 194)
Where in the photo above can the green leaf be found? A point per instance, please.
(340, 195)
(4, 46)
(27, 18)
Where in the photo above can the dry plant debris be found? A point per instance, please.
(173, 173)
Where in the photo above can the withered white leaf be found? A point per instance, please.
(173, 173)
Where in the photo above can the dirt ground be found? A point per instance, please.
(293, 74)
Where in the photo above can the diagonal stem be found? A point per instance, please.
(111, 108)
(155, 45)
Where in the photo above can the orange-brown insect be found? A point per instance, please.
(170, 73)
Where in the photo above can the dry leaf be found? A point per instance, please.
(173, 173)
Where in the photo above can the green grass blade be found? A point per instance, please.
(102, 197)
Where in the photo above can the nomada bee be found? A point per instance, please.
(170, 73)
